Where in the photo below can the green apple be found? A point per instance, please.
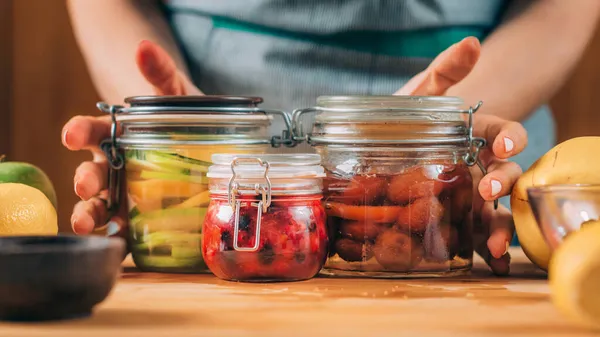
(27, 174)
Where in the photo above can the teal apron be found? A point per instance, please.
(290, 52)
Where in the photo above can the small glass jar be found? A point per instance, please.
(399, 190)
(165, 151)
(265, 221)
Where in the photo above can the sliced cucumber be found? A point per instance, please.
(170, 219)
(175, 244)
(180, 252)
(140, 165)
(199, 200)
(170, 262)
(136, 164)
(177, 161)
(135, 154)
(165, 250)
(198, 179)
(172, 238)
(164, 189)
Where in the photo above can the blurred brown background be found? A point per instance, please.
(44, 82)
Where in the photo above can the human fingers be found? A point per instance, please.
(91, 215)
(87, 215)
(118, 224)
(499, 180)
(504, 138)
(90, 178)
(160, 70)
(446, 70)
(85, 132)
(492, 237)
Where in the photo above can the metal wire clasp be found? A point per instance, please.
(298, 127)
(287, 135)
(115, 159)
(263, 189)
(475, 146)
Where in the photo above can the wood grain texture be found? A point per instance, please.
(577, 105)
(6, 64)
(50, 85)
(146, 304)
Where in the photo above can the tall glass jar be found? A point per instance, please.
(399, 190)
(165, 149)
(265, 220)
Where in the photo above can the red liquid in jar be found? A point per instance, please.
(418, 220)
(292, 243)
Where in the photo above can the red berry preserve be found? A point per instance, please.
(265, 221)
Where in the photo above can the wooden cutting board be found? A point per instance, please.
(144, 304)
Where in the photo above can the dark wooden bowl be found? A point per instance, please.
(56, 277)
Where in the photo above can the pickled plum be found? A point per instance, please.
(333, 225)
(422, 213)
(397, 251)
(413, 184)
(441, 242)
(364, 190)
(381, 214)
(360, 230)
(462, 202)
(292, 244)
(452, 176)
(352, 251)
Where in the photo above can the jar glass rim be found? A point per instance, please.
(390, 119)
(292, 159)
(392, 108)
(273, 166)
(391, 100)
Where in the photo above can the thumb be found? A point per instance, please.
(446, 70)
(160, 70)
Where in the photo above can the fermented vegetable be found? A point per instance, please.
(168, 195)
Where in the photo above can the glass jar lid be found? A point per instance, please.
(386, 120)
(410, 105)
(189, 108)
(191, 120)
(197, 101)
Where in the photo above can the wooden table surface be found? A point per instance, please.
(144, 304)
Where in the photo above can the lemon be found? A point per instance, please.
(25, 210)
(574, 276)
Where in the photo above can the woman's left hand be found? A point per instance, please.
(493, 229)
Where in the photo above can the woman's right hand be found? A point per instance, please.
(86, 133)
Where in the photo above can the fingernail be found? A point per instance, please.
(112, 228)
(64, 137)
(496, 187)
(75, 187)
(74, 221)
(474, 41)
(509, 145)
(506, 250)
